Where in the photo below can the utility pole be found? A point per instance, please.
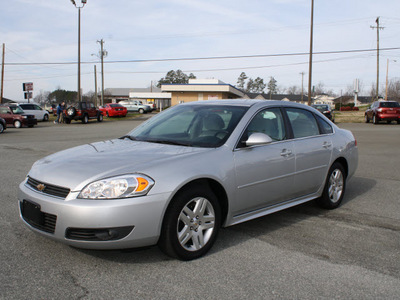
(377, 55)
(103, 53)
(302, 86)
(2, 74)
(311, 52)
(95, 86)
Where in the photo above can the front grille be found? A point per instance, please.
(98, 234)
(37, 219)
(49, 189)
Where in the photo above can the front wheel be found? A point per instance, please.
(141, 111)
(100, 117)
(191, 224)
(45, 117)
(17, 124)
(85, 119)
(335, 187)
(1, 128)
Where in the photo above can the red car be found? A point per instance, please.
(383, 111)
(113, 110)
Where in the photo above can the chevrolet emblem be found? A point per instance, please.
(41, 187)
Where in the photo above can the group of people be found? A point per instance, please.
(60, 113)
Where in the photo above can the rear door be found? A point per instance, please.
(312, 149)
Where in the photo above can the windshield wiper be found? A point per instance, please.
(170, 142)
(128, 137)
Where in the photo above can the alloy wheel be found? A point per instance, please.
(196, 224)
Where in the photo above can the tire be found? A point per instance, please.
(141, 111)
(1, 128)
(68, 121)
(45, 118)
(100, 117)
(366, 118)
(398, 121)
(85, 119)
(71, 112)
(335, 187)
(388, 122)
(107, 114)
(17, 124)
(195, 215)
(375, 120)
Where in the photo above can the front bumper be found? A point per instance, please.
(138, 218)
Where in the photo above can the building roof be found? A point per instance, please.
(124, 92)
(202, 87)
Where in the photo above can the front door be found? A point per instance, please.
(264, 173)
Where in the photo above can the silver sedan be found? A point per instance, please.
(180, 176)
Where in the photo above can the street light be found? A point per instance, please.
(83, 2)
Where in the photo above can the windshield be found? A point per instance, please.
(191, 125)
(17, 110)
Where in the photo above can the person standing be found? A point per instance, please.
(60, 109)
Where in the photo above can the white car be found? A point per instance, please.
(34, 109)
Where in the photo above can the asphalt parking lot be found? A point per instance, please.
(352, 252)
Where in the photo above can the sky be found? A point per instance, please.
(141, 38)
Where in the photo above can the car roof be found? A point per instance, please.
(247, 103)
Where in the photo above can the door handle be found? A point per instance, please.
(286, 152)
(326, 145)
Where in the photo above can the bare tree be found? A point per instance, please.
(293, 90)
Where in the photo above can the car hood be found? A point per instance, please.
(78, 166)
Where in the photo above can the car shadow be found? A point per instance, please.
(241, 233)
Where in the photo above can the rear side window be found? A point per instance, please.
(326, 128)
(303, 122)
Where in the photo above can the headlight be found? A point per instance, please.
(123, 186)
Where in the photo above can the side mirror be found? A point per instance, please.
(258, 138)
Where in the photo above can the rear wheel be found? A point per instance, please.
(366, 118)
(335, 187)
(100, 117)
(1, 128)
(141, 110)
(191, 223)
(68, 121)
(375, 119)
(388, 121)
(17, 124)
(45, 117)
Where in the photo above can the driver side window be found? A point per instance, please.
(269, 122)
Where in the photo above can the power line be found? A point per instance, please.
(208, 58)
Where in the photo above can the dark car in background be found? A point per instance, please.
(326, 110)
(113, 110)
(15, 116)
(383, 111)
(82, 111)
(3, 125)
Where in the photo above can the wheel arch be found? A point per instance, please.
(343, 162)
(214, 186)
